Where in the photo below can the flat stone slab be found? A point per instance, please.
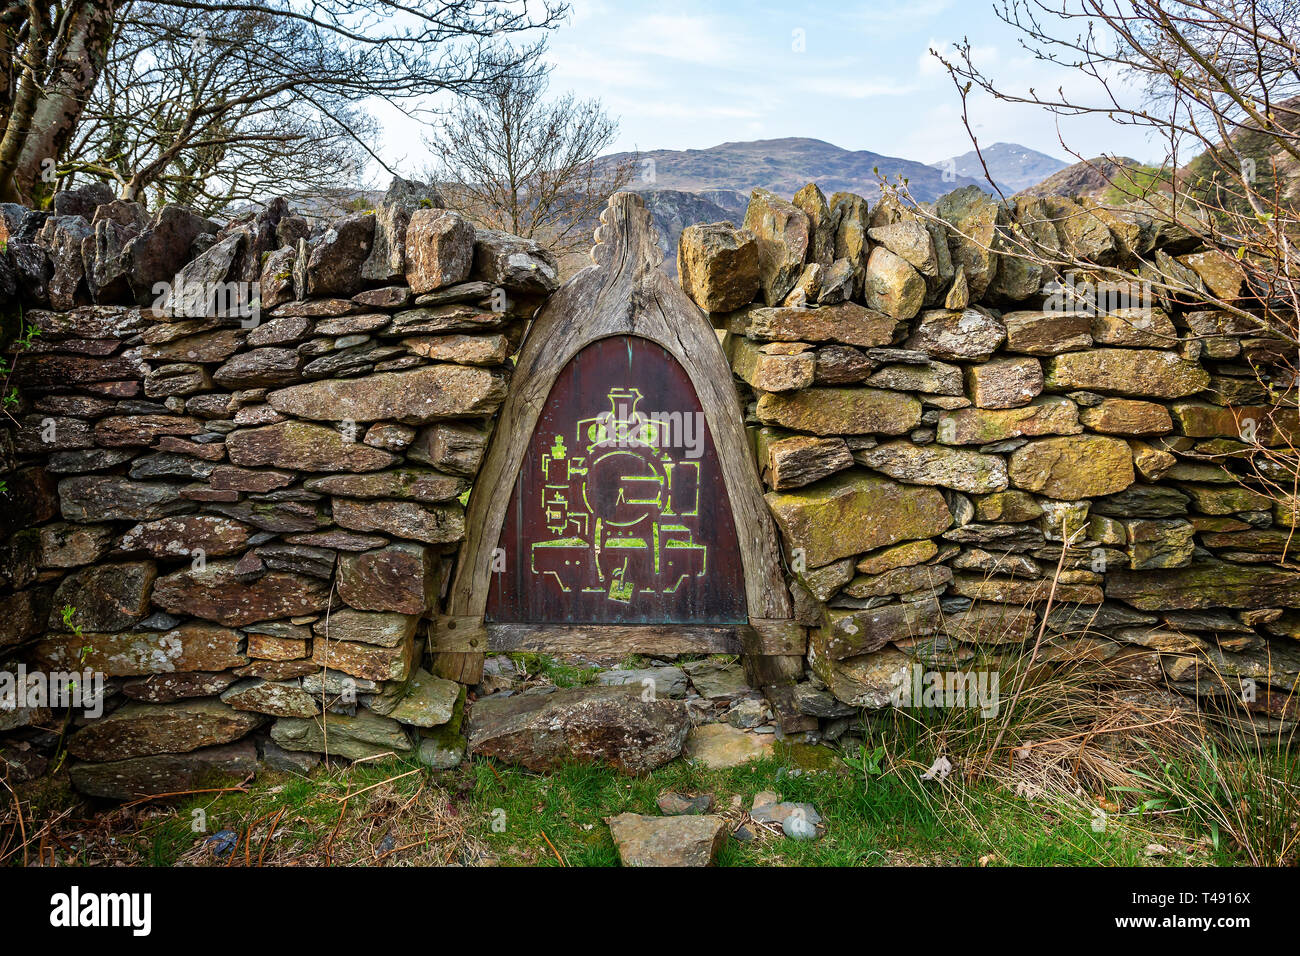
(610, 725)
(667, 841)
(277, 698)
(355, 737)
(429, 702)
(665, 681)
(165, 773)
(719, 746)
(714, 680)
(142, 729)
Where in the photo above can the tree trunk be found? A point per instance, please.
(39, 136)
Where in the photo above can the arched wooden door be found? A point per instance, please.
(572, 384)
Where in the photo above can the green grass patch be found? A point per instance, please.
(1133, 182)
(557, 672)
(516, 817)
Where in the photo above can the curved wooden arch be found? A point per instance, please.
(623, 292)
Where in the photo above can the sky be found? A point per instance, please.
(690, 75)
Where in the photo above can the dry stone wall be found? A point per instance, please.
(950, 435)
(235, 485)
(238, 453)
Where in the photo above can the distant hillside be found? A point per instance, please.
(1277, 173)
(318, 208)
(1091, 178)
(786, 165)
(674, 209)
(1012, 166)
(708, 185)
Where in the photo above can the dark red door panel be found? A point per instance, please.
(619, 514)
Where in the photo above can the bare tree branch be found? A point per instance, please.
(335, 55)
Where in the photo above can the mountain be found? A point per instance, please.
(784, 166)
(1012, 166)
(684, 187)
(1118, 179)
(1090, 178)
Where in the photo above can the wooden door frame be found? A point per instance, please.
(623, 292)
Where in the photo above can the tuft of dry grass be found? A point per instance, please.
(1072, 732)
(344, 815)
(1236, 781)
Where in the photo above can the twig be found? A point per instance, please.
(424, 842)
(267, 842)
(241, 788)
(1038, 641)
(324, 670)
(1032, 745)
(355, 793)
(373, 757)
(22, 827)
(553, 849)
(329, 857)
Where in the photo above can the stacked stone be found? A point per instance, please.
(933, 423)
(252, 510)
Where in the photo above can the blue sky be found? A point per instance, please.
(689, 75)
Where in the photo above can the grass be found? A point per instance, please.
(884, 822)
(395, 812)
(556, 672)
(1070, 772)
(1244, 790)
(1132, 182)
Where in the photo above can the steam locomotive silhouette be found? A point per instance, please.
(623, 510)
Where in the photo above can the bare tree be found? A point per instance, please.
(178, 114)
(514, 161)
(344, 53)
(50, 58)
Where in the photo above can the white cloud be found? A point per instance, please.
(666, 110)
(685, 74)
(693, 39)
(900, 11)
(587, 72)
(854, 89)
